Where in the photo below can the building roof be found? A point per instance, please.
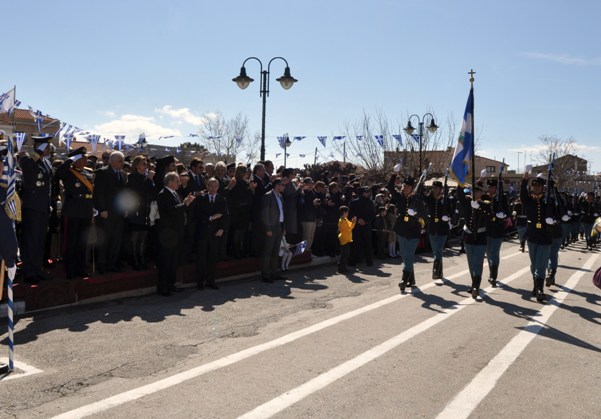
(22, 116)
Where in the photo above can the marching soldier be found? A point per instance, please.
(476, 211)
(495, 228)
(521, 222)
(538, 233)
(438, 226)
(77, 211)
(35, 197)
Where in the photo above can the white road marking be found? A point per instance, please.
(27, 370)
(195, 372)
(470, 397)
(293, 396)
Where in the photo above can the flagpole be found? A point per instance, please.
(471, 73)
(15, 109)
(315, 158)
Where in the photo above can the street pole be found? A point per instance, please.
(421, 134)
(264, 93)
(315, 158)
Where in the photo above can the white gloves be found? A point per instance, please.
(514, 213)
(596, 214)
(549, 221)
(411, 212)
(500, 215)
(445, 218)
(475, 204)
(565, 218)
(570, 213)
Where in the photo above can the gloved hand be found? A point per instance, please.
(514, 213)
(596, 214)
(475, 204)
(549, 221)
(565, 218)
(500, 215)
(570, 213)
(445, 218)
(411, 212)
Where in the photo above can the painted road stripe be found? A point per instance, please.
(470, 397)
(27, 370)
(295, 395)
(195, 372)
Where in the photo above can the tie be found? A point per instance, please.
(196, 180)
(212, 199)
(179, 201)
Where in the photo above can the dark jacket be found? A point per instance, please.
(37, 183)
(173, 219)
(270, 211)
(142, 190)
(240, 204)
(204, 210)
(108, 185)
(537, 210)
(78, 197)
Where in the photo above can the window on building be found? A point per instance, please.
(490, 169)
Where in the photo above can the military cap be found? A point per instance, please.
(409, 181)
(167, 160)
(307, 180)
(539, 181)
(77, 154)
(492, 182)
(364, 189)
(231, 166)
(437, 183)
(287, 172)
(41, 141)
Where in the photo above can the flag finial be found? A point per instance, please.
(471, 73)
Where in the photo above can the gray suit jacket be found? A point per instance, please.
(270, 211)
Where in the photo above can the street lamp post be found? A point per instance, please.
(432, 127)
(243, 81)
(287, 144)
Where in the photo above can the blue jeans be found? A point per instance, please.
(565, 231)
(554, 253)
(539, 258)
(521, 232)
(475, 258)
(407, 247)
(587, 230)
(437, 242)
(493, 249)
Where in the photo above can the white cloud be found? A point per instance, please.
(564, 59)
(183, 115)
(110, 114)
(133, 125)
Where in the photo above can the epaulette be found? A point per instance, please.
(486, 201)
(35, 157)
(87, 169)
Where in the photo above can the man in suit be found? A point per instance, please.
(77, 211)
(196, 185)
(108, 187)
(272, 220)
(258, 178)
(212, 216)
(35, 196)
(170, 232)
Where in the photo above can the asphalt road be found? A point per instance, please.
(323, 345)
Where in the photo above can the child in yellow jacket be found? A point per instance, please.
(345, 236)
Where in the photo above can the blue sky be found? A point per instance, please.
(162, 66)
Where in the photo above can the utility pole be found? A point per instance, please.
(315, 158)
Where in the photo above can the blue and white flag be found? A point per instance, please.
(60, 128)
(300, 248)
(68, 137)
(7, 101)
(239, 140)
(339, 137)
(302, 155)
(277, 155)
(415, 137)
(9, 178)
(193, 135)
(141, 141)
(38, 117)
(120, 140)
(460, 164)
(359, 137)
(298, 138)
(398, 137)
(93, 138)
(380, 140)
(282, 141)
(20, 139)
(322, 140)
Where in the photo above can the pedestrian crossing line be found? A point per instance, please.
(470, 397)
(25, 368)
(295, 395)
(137, 393)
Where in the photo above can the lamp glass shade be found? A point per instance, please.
(286, 81)
(432, 127)
(243, 80)
(409, 128)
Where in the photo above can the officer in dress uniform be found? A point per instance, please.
(495, 228)
(438, 224)
(77, 211)
(538, 233)
(476, 212)
(35, 198)
(8, 243)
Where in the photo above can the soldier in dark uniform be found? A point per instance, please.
(408, 226)
(109, 183)
(560, 216)
(538, 234)
(520, 221)
(35, 197)
(8, 243)
(438, 224)
(495, 228)
(362, 208)
(476, 212)
(77, 211)
(575, 226)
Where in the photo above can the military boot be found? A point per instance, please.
(412, 280)
(551, 277)
(440, 274)
(404, 281)
(540, 295)
(476, 286)
(492, 277)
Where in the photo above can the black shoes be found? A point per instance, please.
(213, 286)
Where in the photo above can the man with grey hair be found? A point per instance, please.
(170, 232)
(108, 187)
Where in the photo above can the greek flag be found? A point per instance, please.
(9, 179)
(322, 140)
(277, 155)
(398, 138)
(300, 248)
(359, 137)
(37, 115)
(339, 137)
(282, 141)
(460, 164)
(299, 138)
(20, 139)
(68, 137)
(94, 141)
(415, 137)
(239, 140)
(120, 139)
(7, 101)
(192, 135)
(380, 140)
(302, 155)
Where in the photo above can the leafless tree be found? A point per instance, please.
(226, 138)
(565, 169)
